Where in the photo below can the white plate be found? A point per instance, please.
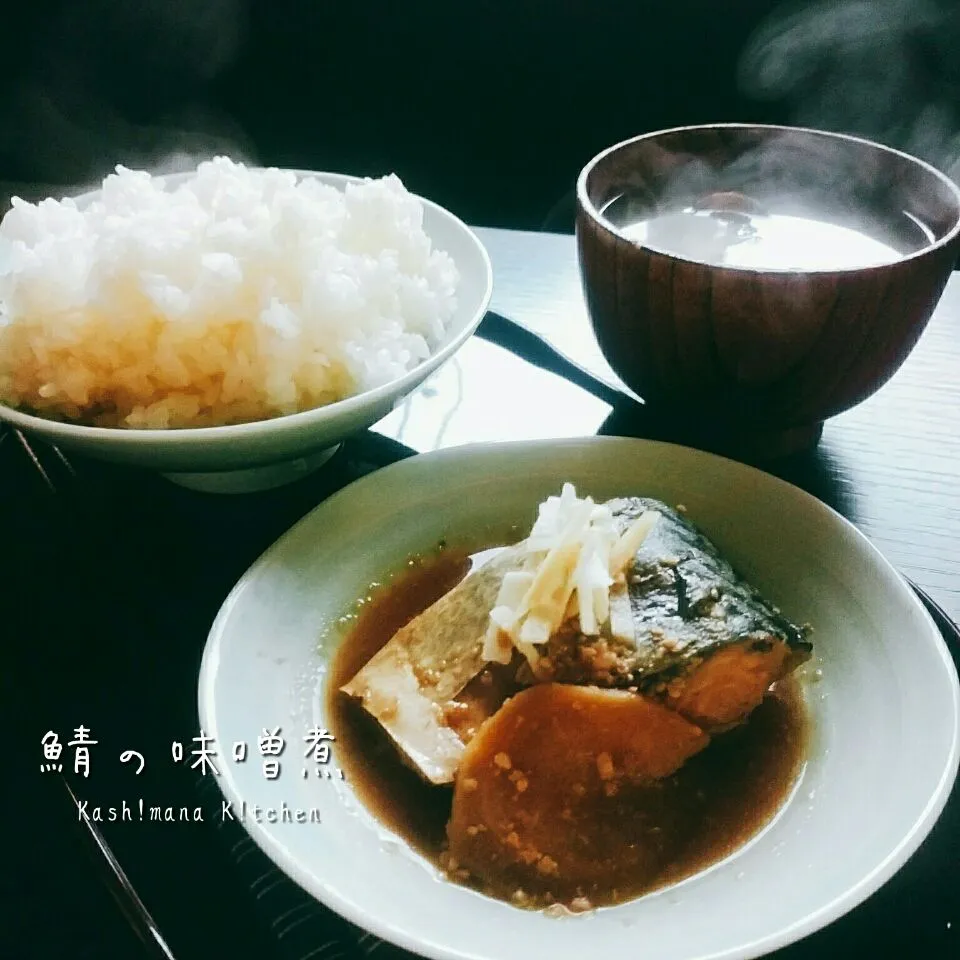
(884, 751)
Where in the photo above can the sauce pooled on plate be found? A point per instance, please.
(619, 838)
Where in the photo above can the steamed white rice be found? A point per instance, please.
(241, 295)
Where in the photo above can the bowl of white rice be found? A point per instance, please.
(228, 327)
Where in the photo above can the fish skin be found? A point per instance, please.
(671, 585)
(686, 603)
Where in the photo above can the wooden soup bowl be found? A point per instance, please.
(761, 357)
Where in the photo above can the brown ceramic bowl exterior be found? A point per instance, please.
(750, 353)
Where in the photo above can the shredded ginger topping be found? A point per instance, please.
(574, 556)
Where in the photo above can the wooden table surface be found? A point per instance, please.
(890, 465)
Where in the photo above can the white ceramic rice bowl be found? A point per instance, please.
(269, 452)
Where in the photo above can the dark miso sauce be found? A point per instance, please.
(716, 803)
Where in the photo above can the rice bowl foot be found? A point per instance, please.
(269, 476)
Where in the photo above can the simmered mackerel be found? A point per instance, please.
(684, 628)
(578, 692)
(704, 640)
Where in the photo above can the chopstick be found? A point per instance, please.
(537, 351)
(946, 626)
(52, 468)
(118, 884)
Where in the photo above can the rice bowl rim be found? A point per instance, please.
(354, 403)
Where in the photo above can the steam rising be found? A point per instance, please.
(74, 113)
(884, 69)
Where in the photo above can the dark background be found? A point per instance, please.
(489, 107)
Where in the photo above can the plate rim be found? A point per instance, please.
(326, 894)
